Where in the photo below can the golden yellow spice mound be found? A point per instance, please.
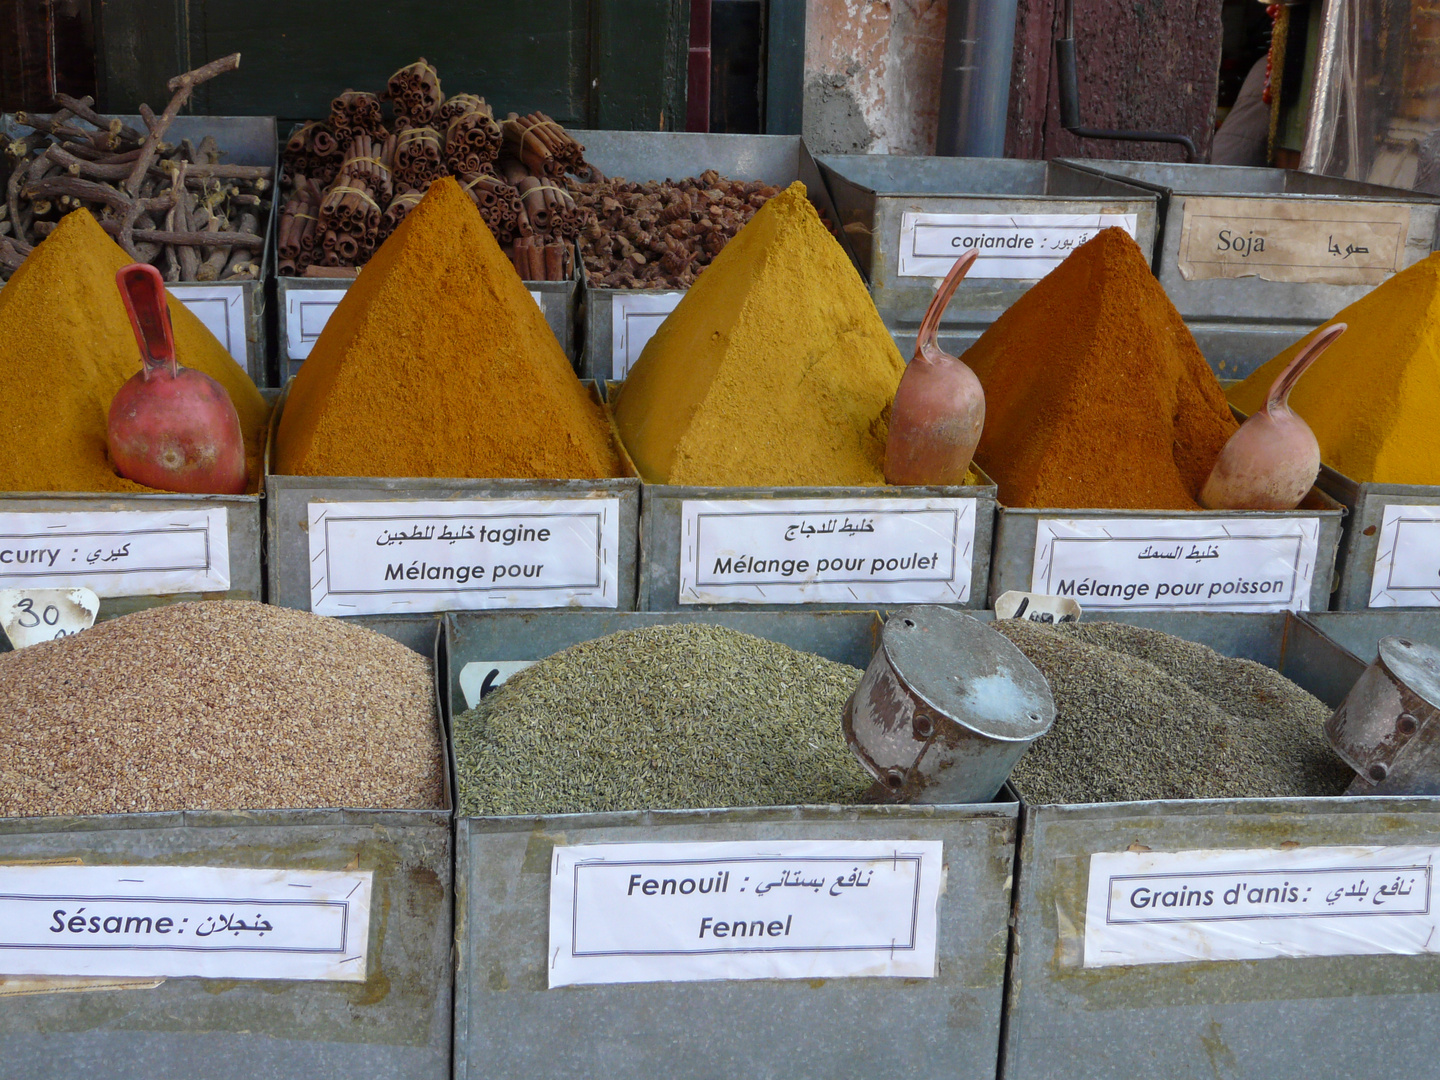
(439, 363)
(1372, 397)
(66, 347)
(775, 368)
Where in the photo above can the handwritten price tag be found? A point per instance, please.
(30, 616)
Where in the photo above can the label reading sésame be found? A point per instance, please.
(117, 553)
(797, 551)
(173, 921)
(1296, 240)
(624, 913)
(1251, 564)
(1158, 908)
(369, 558)
(1018, 246)
(1407, 560)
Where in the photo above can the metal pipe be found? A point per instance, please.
(975, 78)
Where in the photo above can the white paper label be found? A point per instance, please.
(306, 313)
(481, 677)
(1407, 561)
(174, 921)
(803, 551)
(1036, 607)
(634, 318)
(30, 616)
(1160, 908)
(1022, 246)
(117, 553)
(370, 558)
(1237, 564)
(222, 309)
(743, 910)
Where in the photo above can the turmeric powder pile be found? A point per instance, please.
(438, 363)
(66, 347)
(1372, 397)
(774, 369)
(1096, 395)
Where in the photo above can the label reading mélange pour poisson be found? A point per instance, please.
(798, 551)
(116, 553)
(174, 921)
(1407, 559)
(1159, 907)
(1018, 246)
(743, 910)
(1295, 240)
(370, 558)
(1212, 564)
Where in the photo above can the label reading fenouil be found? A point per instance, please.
(1023, 246)
(222, 309)
(370, 558)
(1163, 908)
(634, 318)
(1407, 561)
(1323, 241)
(800, 551)
(1212, 564)
(623, 913)
(308, 310)
(116, 553)
(174, 921)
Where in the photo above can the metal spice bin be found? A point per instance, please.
(1366, 504)
(1278, 1019)
(653, 155)
(1013, 558)
(872, 192)
(507, 1024)
(1240, 323)
(233, 310)
(662, 526)
(395, 1024)
(288, 562)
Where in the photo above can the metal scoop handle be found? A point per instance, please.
(143, 291)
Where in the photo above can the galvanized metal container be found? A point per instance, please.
(1239, 323)
(1360, 632)
(1013, 564)
(289, 566)
(304, 305)
(663, 539)
(1274, 1019)
(233, 311)
(874, 194)
(507, 1024)
(656, 155)
(1367, 539)
(397, 1023)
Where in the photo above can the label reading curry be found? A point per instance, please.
(1292, 240)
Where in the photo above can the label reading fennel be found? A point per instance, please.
(1407, 560)
(1159, 908)
(743, 910)
(1299, 240)
(801, 551)
(173, 921)
(116, 553)
(1214, 564)
(369, 558)
(634, 318)
(1021, 246)
(222, 309)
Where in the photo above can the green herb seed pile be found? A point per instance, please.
(664, 717)
(1145, 715)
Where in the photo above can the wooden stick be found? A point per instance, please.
(181, 87)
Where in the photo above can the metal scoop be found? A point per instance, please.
(945, 709)
(939, 408)
(1388, 727)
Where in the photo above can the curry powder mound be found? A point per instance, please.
(1372, 397)
(66, 347)
(1096, 395)
(774, 369)
(439, 363)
